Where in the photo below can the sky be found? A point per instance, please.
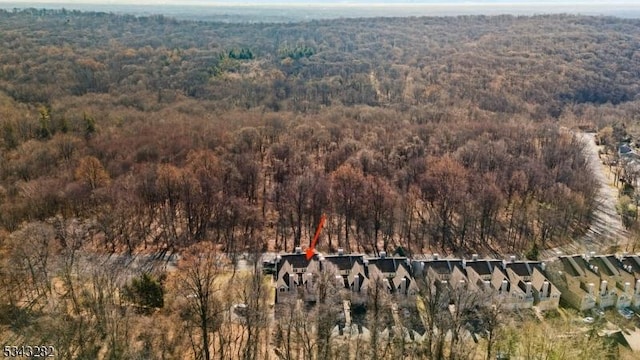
(357, 8)
(342, 2)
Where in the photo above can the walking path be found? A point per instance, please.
(606, 229)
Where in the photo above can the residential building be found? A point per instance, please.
(354, 272)
(395, 272)
(578, 286)
(546, 294)
(631, 273)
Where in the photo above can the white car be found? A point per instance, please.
(588, 320)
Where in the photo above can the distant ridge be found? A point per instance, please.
(305, 10)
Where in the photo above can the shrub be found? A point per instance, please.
(145, 291)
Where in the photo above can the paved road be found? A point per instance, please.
(606, 228)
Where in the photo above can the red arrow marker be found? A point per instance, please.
(312, 250)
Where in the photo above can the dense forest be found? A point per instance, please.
(148, 135)
(145, 126)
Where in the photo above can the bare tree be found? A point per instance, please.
(433, 299)
(255, 323)
(328, 306)
(30, 249)
(200, 285)
(378, 315)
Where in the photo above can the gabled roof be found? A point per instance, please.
(538, 279)
(439, 266)
(389, 264)
(344, 262)
(297, 261)
(604, 265)
(522, 268)
(455, 263)
(614, 261)
(497, 279)
(496, 264)
(481, 267)
(633, 261)
(571, 265)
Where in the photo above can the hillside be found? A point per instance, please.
(124, 134)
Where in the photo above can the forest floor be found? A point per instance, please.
(606, 232)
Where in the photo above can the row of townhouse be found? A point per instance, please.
(518, 284)
(296, 276)
(590, 280)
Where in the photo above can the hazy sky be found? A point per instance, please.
(344, 2)
(621, 8)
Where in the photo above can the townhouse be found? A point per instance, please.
(581, 281)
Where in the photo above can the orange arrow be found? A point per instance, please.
(312, 249)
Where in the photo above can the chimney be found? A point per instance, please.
(603, 287)
(503, 288)
(383, 254)
(543, 266)
(464, 264)
(309, 280)
(592, 253)
(528, 288)
(435, 256)
(504, 265)
(627, 286)
(356, 283)
(512, 258)
(339, 281)
(340, 251)
(386, 284)
(487, 284)
(403, 286)
(298, 250)
(474, 257)
(545, 289)
(638, 287)
(590, 287)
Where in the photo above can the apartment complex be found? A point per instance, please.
(582, 281)
(515, 284)
(590, 280)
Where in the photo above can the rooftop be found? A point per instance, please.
(297, 261)
(633, 261)
(344, 262)
(390, 264)
(439, 266)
